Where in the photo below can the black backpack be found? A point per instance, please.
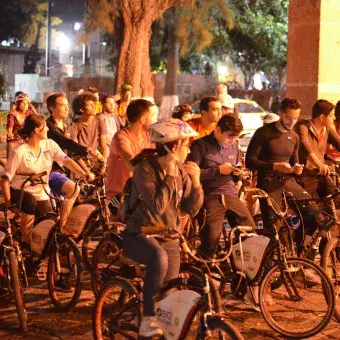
(126, 206)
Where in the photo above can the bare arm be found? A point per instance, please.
(103, 146)
(75, 168)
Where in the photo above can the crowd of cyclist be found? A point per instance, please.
(178, 166)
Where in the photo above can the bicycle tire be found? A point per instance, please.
(100, 277)
(330, 262)
(65, 249)
(132, 303)
(17, 290)
(320, 296)
(225, 329)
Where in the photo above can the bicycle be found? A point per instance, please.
(259, 265)
(13, 268)
(48, 243)
(330, 255)
(89, 220)
(118, 306)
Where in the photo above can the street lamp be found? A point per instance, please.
(77, 26)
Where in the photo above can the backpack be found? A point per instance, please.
(127, 207)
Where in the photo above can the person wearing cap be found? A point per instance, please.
(183, 112)
(228, 104)
(270, 118)
(217, 155)
(15, 120)
(162, 188)
(124, 101)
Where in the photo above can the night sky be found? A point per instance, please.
(69, 11)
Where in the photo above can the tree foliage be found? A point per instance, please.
(15, 18)
(260, 42)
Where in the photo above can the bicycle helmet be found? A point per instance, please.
(270, 118)
(21, 97)
(169, 130)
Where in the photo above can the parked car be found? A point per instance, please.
(251, 115)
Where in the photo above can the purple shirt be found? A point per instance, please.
(209, 155)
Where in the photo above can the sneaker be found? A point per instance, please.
(62, 285)
(149, 327)
(308, 276)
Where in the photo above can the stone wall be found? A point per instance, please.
(190, 87)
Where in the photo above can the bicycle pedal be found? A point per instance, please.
(42, 272)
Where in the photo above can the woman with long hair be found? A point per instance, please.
(35, 155)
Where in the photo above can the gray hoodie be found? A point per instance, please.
(162, 198)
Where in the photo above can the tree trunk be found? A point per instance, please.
(170, 96)
(147, 86)
(130, 59)
(134, 60)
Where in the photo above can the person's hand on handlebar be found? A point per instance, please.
(298, 168)
(90, 176)
(325, 170)
(96, 154)
(283, 167)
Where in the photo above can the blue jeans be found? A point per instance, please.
(162, 261)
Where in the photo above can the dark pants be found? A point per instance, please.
(162, 261)
(273, 185)
(29, 204)
(217, 207)
(322, 186)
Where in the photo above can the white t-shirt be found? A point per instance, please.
(22, 159)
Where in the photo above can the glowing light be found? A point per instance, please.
(222, 70)
(63, 43)
(104, 43)
(77, 26)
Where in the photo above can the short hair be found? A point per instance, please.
(322, 107)
(204, 103)
(107, 96)
(51, 100)
(230, 123)
(137, 108)
(179, 110)
(289, 104)
(79, 102)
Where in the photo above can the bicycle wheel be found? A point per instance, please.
(105, 262)
(303, 304)
(64, 274)
(117, 311)
(331, 264)
(217, 328)
(17, 290)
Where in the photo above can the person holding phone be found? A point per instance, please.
(218, 156)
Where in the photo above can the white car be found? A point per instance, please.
(251, 115)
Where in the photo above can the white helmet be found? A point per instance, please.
(169, 130)
(270, 118)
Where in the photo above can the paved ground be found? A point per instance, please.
(46, 324)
